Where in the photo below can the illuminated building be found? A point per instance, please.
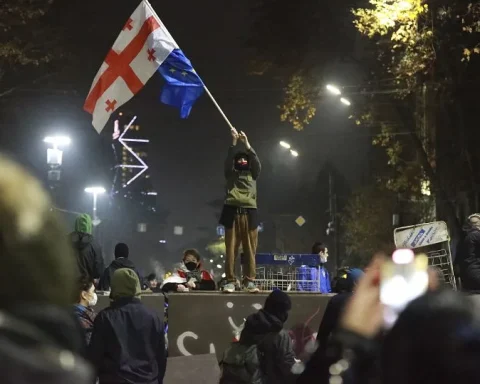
(135, 218)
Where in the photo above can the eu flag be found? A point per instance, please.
(183, 85)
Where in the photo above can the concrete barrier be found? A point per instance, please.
(205, 322)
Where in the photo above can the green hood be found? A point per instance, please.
(124, 283)
(83, 224)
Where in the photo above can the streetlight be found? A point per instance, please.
(334, 90)
(55, 157)
(95, 191)
(345, 101)
(57, 141)
(294, 153)
(285, 145)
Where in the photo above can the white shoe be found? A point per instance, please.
(229, 288)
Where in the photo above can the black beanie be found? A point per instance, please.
(278, 304)
(121, 250)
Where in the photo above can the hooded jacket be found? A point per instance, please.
(116, 264)
(88, 252)
(266, 330)
(128, 339)
(242, 185)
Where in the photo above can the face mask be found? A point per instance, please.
(191, 265)
(323, 259)
(93, 301)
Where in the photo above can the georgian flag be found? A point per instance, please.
(142, 46)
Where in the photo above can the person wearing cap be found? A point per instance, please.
(468, 255)
(128, 340)
(265, 328)
(336, 305)
(330, 320)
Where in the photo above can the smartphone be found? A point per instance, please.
(403, 279)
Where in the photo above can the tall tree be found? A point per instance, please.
(419, 95)
(27, 39)
(429, 50)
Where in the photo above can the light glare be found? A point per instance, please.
(95, 190)
(294, 153)
(285, 145)
(57, 140)
(345, 101)
(334, 90)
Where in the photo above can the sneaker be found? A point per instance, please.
(252, 288)
(229, 288)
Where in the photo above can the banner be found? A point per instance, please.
(421, 235)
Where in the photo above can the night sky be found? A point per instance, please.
(186, 156)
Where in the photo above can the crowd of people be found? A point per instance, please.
(50, 333)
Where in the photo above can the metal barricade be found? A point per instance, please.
(432, 239)
(288, 272)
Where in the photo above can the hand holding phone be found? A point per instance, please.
(403, 279)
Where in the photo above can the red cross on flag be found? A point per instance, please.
(142, 46)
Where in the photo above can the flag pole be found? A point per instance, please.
(218, 107)
(204, 86)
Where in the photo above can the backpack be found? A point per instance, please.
(242, 364)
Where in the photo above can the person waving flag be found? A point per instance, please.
(143, 46)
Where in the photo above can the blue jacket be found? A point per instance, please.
(128, 344)
(325, 286)
(310, 277)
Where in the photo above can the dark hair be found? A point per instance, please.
(84, 285)
(435, 340)
(192, 252)
(151, 277)
(318, 247)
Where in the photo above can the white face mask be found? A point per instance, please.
(93, 302)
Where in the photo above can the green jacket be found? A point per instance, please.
(242, 185)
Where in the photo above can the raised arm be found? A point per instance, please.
(231, 154)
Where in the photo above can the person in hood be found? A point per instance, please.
(40, 339)
(128, 340)
(194, 276)
(121, 261)
(86, 300)
(239, 214)
(88, 252)
(265, 329)
(468, 255)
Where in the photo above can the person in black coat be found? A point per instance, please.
(121, 261)
(336, 306)
(265, 328)
(128, 339)
(468, 255)
(329, 324)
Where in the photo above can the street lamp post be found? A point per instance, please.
(95, 191)
(54, 160)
